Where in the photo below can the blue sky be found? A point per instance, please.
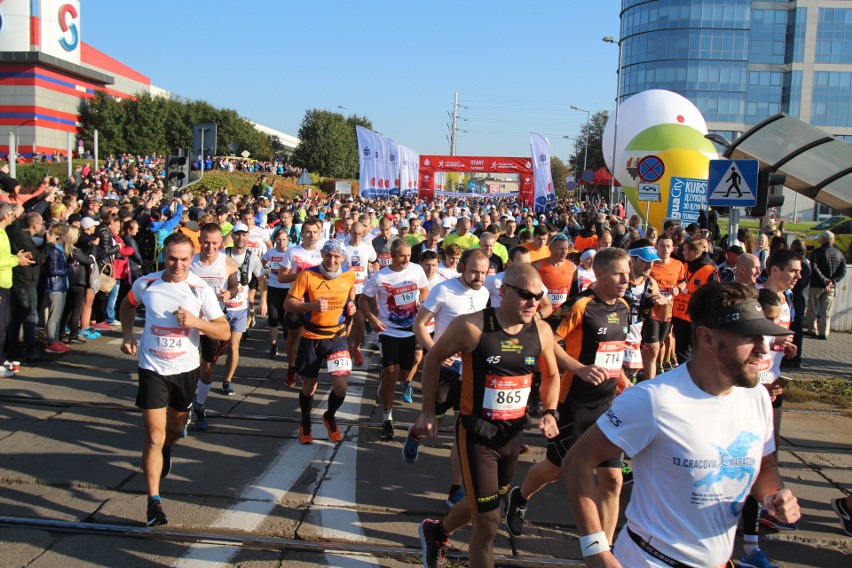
(517, 66)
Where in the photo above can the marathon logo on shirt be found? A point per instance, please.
(511, 346)
(612, 318)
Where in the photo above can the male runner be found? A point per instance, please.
(382, 242)
(501, 347)
(178, 305)
(258, 238)
(649, 309)
(398, 289)
(276, 293)
(361, 260)
(594, 325)
(670, 274)
(557, 273)
(221, 273)
(446, 302)
(240, 307)
(701, 441)
(298, 258)
(325, 295)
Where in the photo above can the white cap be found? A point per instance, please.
(240, 228)
(88, 223)
(446, 223)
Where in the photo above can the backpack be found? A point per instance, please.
(147, 242)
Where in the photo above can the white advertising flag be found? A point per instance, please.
(542, 178)
(393, 167)
(366, 162)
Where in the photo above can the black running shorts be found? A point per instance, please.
(314, 352)
(275, 305)
(486, 469)
(654, 331)
(211, 349)
(398, 351)
(573, 422)
(161, 391)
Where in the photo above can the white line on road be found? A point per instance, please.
(260, 498)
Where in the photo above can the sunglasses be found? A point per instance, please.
(525, 294)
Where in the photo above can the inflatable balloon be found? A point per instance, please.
(669, 130)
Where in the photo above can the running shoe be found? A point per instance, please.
(387, 430)
(89, 333)
(455, 496)
(167, 461)
(305, 434)
(756, 560)
(290, 381)
(626, 475)
(156, 516)
(76, 341)
(357, 357)
(434, 550)
(57, 347)
(407, 392)
(774, 523)
(334, 433)
(839, 506)
(102, 326)
(7, 373)
(411, 446)
(227, 389)
(515, 513)
(201, 418)
(273, 351)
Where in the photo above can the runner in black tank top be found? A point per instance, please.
(500, 348)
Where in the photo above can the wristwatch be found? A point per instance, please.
(553, 412)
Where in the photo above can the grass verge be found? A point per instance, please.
(835, 391)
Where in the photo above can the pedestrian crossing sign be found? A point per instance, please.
(732, 183)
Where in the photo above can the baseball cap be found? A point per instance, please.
(648, 254)
(88, 223)
(335, 246)
(446, 223)
(745, 318)
(587, 254)
(403, 224)
(240, 228)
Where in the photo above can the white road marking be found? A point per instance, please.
(337, 488)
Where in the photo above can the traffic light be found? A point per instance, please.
(770, 192)
(177, 169)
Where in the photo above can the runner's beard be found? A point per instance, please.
(739, 372)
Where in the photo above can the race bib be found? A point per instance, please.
(384, 260)
(632, 356)
(557, 297)
(237, 301)
(505, 398)
(610, 355)
(764, 370)
(405, 296)
(339, 364)
(169, 342)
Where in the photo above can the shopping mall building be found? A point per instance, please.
(46, 70)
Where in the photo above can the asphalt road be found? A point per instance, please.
(70, 442)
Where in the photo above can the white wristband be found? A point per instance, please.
(592, 544)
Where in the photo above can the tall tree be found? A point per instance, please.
(328, 145)
(595, 158)
(559, 171)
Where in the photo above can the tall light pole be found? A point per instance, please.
(588, 127)
(609, 39)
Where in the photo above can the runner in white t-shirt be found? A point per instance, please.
(398, 289)
(701, 441)
(276, 292)
(297, 258)
(258, 237)
(447, 301)
(361, 259)
(178, 307)
(221, 274)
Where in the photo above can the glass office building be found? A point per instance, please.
(741, 61)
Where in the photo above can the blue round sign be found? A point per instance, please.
(589, 176)
(650, 169)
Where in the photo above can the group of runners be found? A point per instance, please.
(506, 326)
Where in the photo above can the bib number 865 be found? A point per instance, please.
(509, 397)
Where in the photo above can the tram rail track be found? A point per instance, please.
(243, 540)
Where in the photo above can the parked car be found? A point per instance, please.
(840, 225)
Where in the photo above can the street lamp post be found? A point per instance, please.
(588, 127)
(610, 39)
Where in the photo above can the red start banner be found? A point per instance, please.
(429, 165)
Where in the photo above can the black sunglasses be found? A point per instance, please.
(525, 294)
